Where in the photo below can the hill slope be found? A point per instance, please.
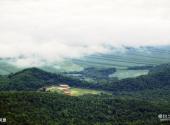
(33, 79)
(6, 68)
(30, 108)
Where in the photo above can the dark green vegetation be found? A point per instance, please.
(135, 101)
(93, 74)
(35, 108)
(160, 68)
(158, 78)
(33, 79)
(140, 67)
(96, 73)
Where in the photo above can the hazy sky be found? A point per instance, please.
(52, 29)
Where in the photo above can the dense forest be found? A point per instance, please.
(30, 108)
(134, 101)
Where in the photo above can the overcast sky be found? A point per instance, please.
(53, 29)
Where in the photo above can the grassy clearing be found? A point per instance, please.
(79, 91)
(76, 91)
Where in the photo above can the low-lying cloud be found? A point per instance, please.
(37, 31)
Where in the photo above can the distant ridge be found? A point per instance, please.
(32, 79)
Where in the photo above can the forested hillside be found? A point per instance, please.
(33, 79)
(35, 108)
(135, 101)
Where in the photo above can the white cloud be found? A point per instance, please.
(53, 29)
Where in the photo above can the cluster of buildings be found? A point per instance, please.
(62, 87)
(65, 88)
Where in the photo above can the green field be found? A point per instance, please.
(143, 56)
(122, 74)
(79, 91)
(76, 91)
(146, 56)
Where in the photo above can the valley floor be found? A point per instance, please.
(77, 91)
